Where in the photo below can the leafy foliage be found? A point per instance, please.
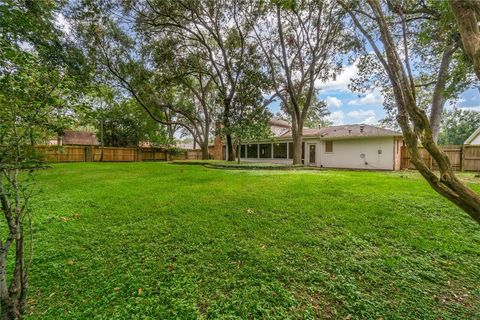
(458, 125)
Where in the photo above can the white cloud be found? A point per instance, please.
(336, 117)
(363, 116)
(333, 102)
(342, 80)
(372, 98)
(63, 24)
(473, 108)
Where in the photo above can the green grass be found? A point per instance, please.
(242, 164)
(165, 241)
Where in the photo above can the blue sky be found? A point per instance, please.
(347, 107)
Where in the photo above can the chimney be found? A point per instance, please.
(362, 126)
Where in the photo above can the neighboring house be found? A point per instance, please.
(356, 146)
(71, 137)
(474, 138)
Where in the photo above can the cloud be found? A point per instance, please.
(363, 116)
(472, 108)
(333, 102)
(372, 98)
(63, 24)
(341, 82)
(336, 117)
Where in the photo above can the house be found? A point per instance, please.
(474, 138)
(355, 146)
(72, 137)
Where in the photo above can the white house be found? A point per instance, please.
(356, 146)
(474, 138)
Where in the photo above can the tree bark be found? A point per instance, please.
(297, 148)
(412, 119)
(465, 12)
(204, 148)
(438, 100)
(231, 150)
(102, 140)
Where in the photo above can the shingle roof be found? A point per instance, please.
(346, 131)
(357, 130)
(279, 122)
(80, 138)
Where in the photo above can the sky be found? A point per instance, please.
(347, 107)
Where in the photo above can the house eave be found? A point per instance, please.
(317, 137)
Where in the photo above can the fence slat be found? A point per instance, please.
(466, 158)
(93, 154)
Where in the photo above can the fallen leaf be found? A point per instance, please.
(140, 291)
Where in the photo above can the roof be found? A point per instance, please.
(80, 138)
(347, 131)
(472, 136)
(279, 122)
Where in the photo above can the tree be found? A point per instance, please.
(466, 12)
(144, 68)
(215, 32)
(302, 42)
(379, 29)
(123, 124)
(249, 119)
(36, 79)
(316, 116)
(441, 69)
(458, 125)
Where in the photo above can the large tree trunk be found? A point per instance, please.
(438, 100)
(297, 148)
(6, 301)
(204, 148)
(231, 150)
(297, 136)
(412, 119)
(446, 184)
(465, 12)
(102, 140)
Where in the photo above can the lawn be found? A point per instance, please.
(166, 241)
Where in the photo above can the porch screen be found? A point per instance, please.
(242, 151)
(280, 150)
(266, 151)
(252, 151)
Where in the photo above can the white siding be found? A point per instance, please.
(476, 140)
(347, 154)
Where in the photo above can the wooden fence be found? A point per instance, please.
(110, 154)
(462, 157)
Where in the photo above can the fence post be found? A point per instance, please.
(462, 158)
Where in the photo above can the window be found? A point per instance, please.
(252, 150)
(329, 146)
(280, 150)
(266, 151)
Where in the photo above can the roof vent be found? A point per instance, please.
(362, 127)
